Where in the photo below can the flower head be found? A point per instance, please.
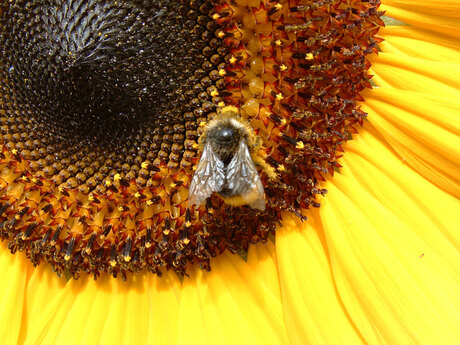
(101, 133)
(376, 263)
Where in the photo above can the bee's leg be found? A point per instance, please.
(257, 144)
(260, 161)
(268, 169)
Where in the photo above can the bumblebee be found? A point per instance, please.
(228, 163)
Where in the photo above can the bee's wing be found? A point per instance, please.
(243, 178)
(209, 177)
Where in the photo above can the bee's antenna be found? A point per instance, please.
(211, 103)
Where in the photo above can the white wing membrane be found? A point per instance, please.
(239, 179)
(244, 180)
(209, 177)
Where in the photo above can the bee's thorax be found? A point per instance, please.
(224, 140)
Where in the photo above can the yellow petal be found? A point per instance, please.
(428, 207)
(233, 303)
(448, 8)
(391, 237)
(409, 73)
(314, 312)
(442, 19)
(14, 272)
(107, 311)
(48, 308)
(420, 43)
(424, 131)
(237, 300)
(390, 240)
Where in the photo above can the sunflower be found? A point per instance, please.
(376, 263)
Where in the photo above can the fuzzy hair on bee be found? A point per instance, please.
(228, 163)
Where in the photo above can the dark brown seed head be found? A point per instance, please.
(101, 106)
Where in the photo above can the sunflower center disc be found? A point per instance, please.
(103, 107)
(98, 69)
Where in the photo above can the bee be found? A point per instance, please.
(227, 164)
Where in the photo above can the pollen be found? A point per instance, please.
(100, 132)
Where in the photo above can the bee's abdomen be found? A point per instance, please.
(227, 193)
